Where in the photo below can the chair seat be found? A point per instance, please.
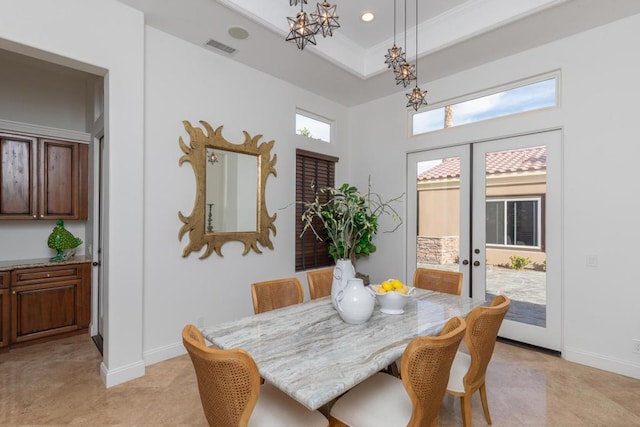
(459, 369)
(379, 401)
(275, 409)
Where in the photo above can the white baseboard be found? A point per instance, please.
(163, 353)
(606, 363)
(111, 377)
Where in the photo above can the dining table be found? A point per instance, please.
(311, 354)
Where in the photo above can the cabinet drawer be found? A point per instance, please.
(29, 276)
(5, 279)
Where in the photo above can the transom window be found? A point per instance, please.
(512, 100)
(514, 222)
(313, 126)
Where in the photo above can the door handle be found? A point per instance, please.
(96, 263)
(476, 263)
(465, 262)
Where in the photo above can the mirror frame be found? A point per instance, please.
(196, 154)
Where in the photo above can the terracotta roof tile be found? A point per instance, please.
(498, 162)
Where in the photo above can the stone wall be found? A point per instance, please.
(438, 250)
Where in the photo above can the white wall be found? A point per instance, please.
(50, 97)
(598, 115)
(187, 82)
(33, 93)
(93, 35)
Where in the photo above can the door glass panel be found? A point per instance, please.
(438, 227)
(515, 190)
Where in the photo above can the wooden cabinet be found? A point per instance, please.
(43, 178)
(18, 188)
(47, 301)
(5, 318)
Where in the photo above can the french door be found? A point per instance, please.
(492, 210)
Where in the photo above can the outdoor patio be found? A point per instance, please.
(526, 289)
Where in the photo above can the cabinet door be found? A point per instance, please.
(4, 318)
(63, 180)
(5, 276)
(18, 178)
(46, 309)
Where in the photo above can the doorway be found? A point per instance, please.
(98, 272)
(492, 210)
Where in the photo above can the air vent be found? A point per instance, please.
(220, 46)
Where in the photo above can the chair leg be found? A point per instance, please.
(336, 423)
(485, 405)
(465, 406)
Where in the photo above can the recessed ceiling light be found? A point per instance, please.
(238, 33)
(368, 17)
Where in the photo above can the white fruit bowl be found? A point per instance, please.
(393, 302)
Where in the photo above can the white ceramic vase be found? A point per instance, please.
(355, 302)
(342, 272)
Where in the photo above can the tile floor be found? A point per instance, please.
(58, 383)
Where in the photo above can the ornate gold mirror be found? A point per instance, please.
(231, 181)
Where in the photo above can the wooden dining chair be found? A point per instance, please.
(320, 282)
(468, 370)
(381, 401)
(230, 390)
(449, 282)
(272, 294)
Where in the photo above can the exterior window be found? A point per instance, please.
(313, 171)
(313, 127)
(529, 97)
(514, 222)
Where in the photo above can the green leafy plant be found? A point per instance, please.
(305, 132)
(519, 262)
(349, 218)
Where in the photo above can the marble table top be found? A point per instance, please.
(308, 352)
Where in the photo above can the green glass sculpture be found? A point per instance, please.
(61, 239)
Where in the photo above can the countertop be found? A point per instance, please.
(40, 262)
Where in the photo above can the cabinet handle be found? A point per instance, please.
(35, 216)
(14, 292)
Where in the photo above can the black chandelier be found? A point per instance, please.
(395, 55)
(303, 28)
(405, 73)
(417, 96)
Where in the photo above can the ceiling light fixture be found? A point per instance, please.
(416, 97)
(304, 29)
(405, 73)
(325, 16)
(395, 55)
(368, 17)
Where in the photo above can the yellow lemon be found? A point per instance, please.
(388, 286)
(397, 284)
(403, 290)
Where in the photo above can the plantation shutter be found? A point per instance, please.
(313, 171)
